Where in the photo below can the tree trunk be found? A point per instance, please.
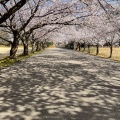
(14, 45)
(88, 48)
(97, 49)
(33, 47)
(42, 45)
(37, 46)
(45, 44)
(74, 46)
(26, 51)
(25, 46)
(111, 50)
(79, 46)
(84, 47)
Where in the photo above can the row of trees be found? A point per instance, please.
(101, 29)
(32, 20)
(90, 22)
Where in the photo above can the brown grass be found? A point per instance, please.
(4, 51)
(105, 52)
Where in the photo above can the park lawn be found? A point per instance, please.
(105, 52)
(5, 50)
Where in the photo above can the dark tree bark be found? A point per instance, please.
(37, 46)
(4, 1)
(12, 10)
(14, 45)
(84, 47)
(111, 50)
(33, 47)
(43, 45)
(88, 48)
(97, 49)
(26, 50)
(79, 46)
(25, 45)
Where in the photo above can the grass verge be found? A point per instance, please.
(104, 52)
(7, 61)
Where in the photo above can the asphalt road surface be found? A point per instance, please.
(60, 84)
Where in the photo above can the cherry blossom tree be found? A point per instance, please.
(33, 19)
(15, 25)
(6, 11)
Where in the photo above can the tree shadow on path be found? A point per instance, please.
(60, 84)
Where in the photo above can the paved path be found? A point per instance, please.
(60, 84)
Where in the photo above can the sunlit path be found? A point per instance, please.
(60, 84)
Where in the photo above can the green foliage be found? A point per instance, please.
(49, 44)
(6, 62)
